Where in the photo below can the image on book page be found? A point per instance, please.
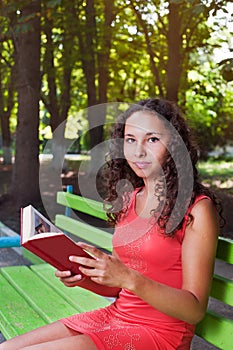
(34, 223)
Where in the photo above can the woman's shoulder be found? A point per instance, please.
(201, 200)
(204, 212)
(201, 214)
(201, 205)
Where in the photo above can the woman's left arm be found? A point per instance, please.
(198, 256)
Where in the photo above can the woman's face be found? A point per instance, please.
(145, 144)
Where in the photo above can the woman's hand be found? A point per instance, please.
(104, 269)
(68, 279)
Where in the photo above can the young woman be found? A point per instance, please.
(166, 231)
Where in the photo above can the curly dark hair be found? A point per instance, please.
(180, 185)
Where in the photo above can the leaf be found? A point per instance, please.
(54, 3)
(198, 9)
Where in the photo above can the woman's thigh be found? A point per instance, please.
(48, 333)
(77, 342)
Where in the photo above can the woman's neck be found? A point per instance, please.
(147, 199)
(151, 186)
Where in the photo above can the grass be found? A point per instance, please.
(217, 173)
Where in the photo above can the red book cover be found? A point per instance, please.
(45, 240)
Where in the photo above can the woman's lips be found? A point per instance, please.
(142, 165)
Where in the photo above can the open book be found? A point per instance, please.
(45, 240)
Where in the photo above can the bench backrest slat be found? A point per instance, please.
(84, 231)
(225, 250)
(222, 289)
(216, 330)
(84, 205)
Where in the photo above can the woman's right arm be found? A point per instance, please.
(85, 282)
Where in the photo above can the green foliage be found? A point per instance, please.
(209, 104)
(138, 50)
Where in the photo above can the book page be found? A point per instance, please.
(45, 234)
(34, 223)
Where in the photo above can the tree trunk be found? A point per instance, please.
(25, 183)
(174, 42)
(6, 106)
(58, 104)
(105, 46)
(51, 101)
(154, 69)
(6, 138)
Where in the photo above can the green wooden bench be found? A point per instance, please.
(32, 296)
(216, 328)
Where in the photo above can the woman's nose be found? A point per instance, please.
(140, 150)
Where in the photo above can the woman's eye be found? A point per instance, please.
(153, 139)
(129, 140)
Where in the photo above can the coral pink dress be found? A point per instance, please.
(130, 323)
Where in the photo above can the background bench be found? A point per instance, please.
(32, 296)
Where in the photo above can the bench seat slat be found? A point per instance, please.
(222, 289)
(16, 316)
(84, 231)
(37, 293)
(225, 250)
(84, 205)
(81, 299)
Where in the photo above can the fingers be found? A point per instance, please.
(98, 267)
(84, 261)
(96, 256)
(68, 279)
(61, 274)
(88, 267)
(93, 251)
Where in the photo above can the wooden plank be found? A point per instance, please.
(84, 231)
(84, 205)
(222, 289)
(216, 330)
(225, 250)
(16, 316)
(38, 294)
(81, 299)
(31, 257)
